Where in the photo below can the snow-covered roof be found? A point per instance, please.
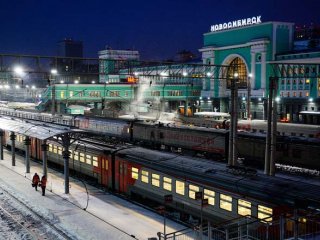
(34, 129)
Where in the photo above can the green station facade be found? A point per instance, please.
(258, 51)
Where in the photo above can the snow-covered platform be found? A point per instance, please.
(85, 213)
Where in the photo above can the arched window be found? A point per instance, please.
(237, 65)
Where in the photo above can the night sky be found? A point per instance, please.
(158, 29)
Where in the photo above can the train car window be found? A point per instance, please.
(155, 180)
(210, 195)
(81, 157)
(50, 147)
(60, 150)
(192, 191)
(70, 154)
(244, 207)
(95, 162)
(145, 176)
(226, 202)
(167, 184)
(55, 149)
(135, 173)
(180, 187)
(264, 213)
(88, 159)
(76, 155)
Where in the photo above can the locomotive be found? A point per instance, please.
(209, 143)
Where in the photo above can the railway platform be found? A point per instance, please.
(86, 212)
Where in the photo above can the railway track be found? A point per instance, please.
(19, 221)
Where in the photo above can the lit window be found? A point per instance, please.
(95, 161)
(244, 208)
(50, 148)
(307, 81)
(167, 183)
(264, 213)
(307, 94)
(55, 149)
(226, 202)
(210, 195)
(71, 94)
(155, 180)
(60, 150)
(134, 173)
(192, 191)
(62, 94)
(81, 157)
(76, 155)
(145, 176)
(180, 187)
(88, 159)
(70, 154)
(294, 94)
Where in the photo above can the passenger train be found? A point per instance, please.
(151, 175)
(198, 141)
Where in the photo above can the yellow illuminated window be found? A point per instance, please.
(62, 94)
(145, 176)
(60, 150)
(134, 173)
(167, 183)
(155, 180)
(70, 154)
(226, 202)
(50, 148)
(307, 94)
(88, 159)
(76, 155)
(210, 195)
(95, 162)
(180, 187)
(81, 157)
(264, 213)
(55, 149)
(244, 208)
(71, 93)
(307, 81)
(192, 191)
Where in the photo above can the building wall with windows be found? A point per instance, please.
(252, 51)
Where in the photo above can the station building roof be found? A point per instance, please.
(34, 129)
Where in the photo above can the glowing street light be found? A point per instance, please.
(209, 74)
(33, 87)
(310, 99)
(277, 99)
(184, 74)
(54, 71)
(18, 70)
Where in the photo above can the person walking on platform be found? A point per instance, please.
(35, 181)
(43, 184)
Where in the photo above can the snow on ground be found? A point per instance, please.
(106, 217)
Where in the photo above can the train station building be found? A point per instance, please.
(259, 50)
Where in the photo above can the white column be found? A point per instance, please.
(253, 70)
(263, 70)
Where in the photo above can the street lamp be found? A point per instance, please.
(53, 73)
(18, 70)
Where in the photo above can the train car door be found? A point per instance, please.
(104, 171)
(121, 183)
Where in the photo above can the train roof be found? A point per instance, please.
(242, 181)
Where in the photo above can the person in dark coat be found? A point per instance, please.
(35, 181)
(43, 184)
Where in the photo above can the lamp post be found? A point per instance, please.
(53, 73)
(19, 72)
(234, 120)
(249, 96)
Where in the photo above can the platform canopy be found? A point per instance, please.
(40, 130)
